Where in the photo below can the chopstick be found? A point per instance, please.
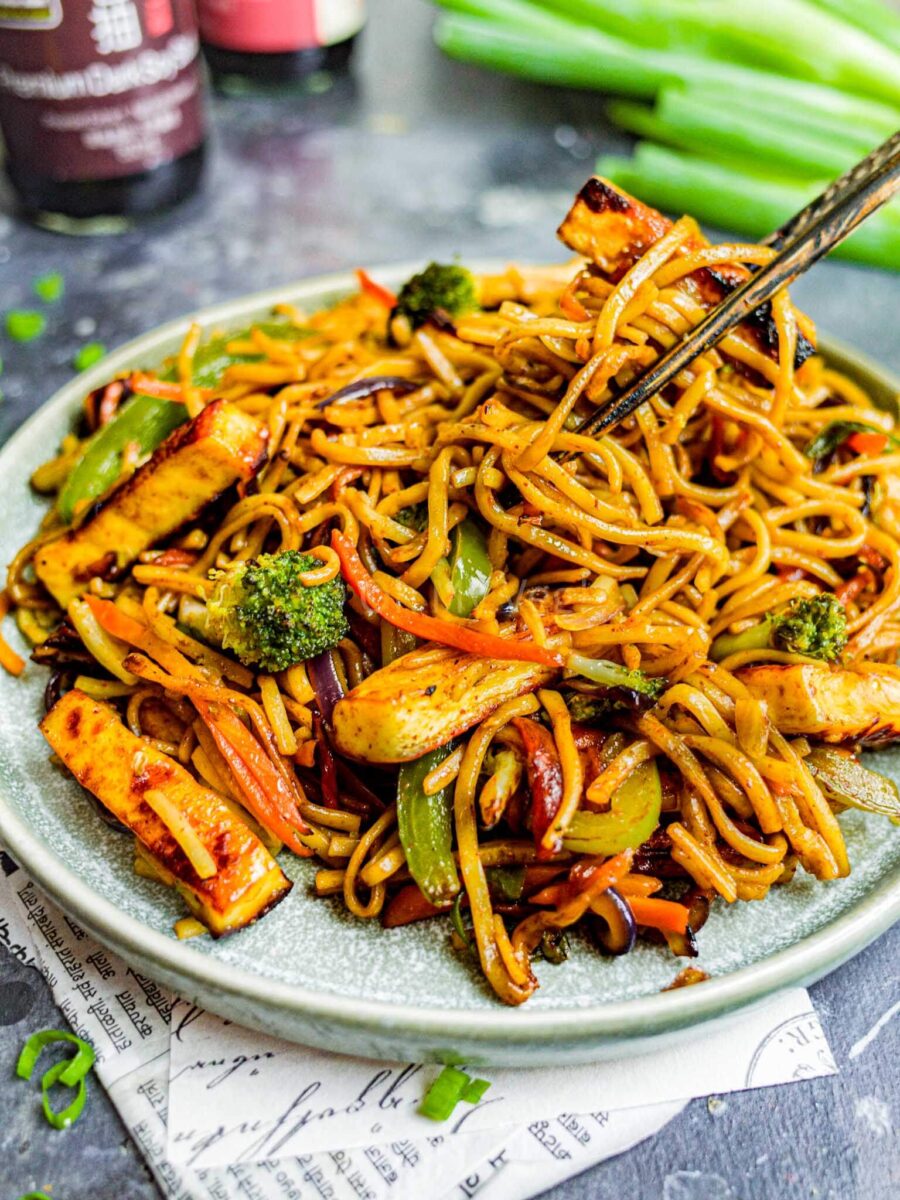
(800, 242)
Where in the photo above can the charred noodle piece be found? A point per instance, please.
(614, 230)
(220, 447)
(832, 704)
(425, 699)
(119, 768)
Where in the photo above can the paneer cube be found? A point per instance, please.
(120, 769)
(200, 460)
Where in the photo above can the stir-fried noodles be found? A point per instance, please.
(375, 599)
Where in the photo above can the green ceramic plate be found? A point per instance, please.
(308, 972)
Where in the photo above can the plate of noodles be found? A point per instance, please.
(353, 694)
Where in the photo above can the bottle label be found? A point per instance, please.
(110, 90)
(279, 26)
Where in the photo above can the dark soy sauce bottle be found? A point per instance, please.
(100, 109)
(278, 45)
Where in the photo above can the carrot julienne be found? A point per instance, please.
(430, 628)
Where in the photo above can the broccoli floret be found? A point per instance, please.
(414, 516)
(262, 611)
(815, 626)
(624, 690)
(441, 287)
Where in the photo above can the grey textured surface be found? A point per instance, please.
(428, 157)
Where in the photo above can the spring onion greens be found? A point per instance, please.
(73, 1069)
(724, 196)
(757, 104)
(451, 1087)
(24, 325)
(88, 354)
(69, 1072)
(49, 287)
(70, 1114)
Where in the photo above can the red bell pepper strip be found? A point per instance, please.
(409, 905)
(429, 628)
(864, 442)
(368, 285)
(665, 915)
(545, 779)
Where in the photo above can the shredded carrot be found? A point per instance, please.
(659, 914)
(267, 795)
(432, 629)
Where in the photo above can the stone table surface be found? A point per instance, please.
(423, 157)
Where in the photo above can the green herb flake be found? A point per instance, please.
(23, 325)
(88, 354)
(49, 287)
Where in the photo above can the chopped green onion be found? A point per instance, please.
(70, 1114)
(450, 1088)
(49, 287)
(88, 354)
(474, 1090)
(24, 326)
(73, 1069)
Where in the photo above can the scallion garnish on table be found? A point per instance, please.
(453, 1086)
(70, 1072)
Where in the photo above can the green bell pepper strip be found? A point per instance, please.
(632, 817)
(212, 359)
(148, 421)
(425, 826)
(463, 580)
(73, 1069)
(145, 420)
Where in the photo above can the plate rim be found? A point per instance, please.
(656, 1013)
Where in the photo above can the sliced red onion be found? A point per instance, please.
(368, 386)
(612, 923)
(325, 683)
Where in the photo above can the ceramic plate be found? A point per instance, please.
(311, 973)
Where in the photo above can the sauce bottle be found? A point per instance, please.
(100, 108)
(260, 45)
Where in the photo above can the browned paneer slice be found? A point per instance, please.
(424, 699)
(200, 460)
(224, 872)
(831, 704)
(614, 230)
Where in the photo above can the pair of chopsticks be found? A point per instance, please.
(802, 241)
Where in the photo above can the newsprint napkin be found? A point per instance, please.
(221, 1113)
